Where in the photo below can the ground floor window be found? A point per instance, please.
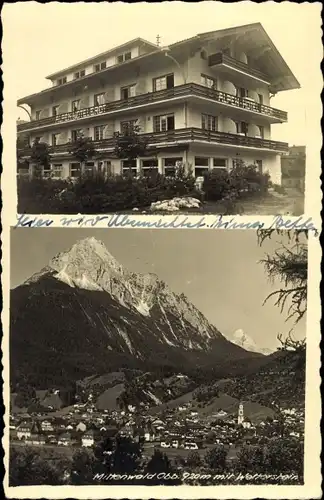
(149, 165)
(57, 170)
(89, 167)
(104, 167)
(259, 165)
(170, 165)
(129, 166)
(201, 165)
(219, 163)
(75, 169)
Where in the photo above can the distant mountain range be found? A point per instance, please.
(240, 338)
(85, 314)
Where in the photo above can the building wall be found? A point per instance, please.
(143, 77)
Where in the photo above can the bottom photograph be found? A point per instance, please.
(157, 357)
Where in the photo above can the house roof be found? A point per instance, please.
(102, 55)
(252, 36)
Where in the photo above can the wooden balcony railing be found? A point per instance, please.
(184, 135)
(221, 58)
(180, 91)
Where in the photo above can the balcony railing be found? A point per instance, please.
(221, 58)
(184, 135)
(181, 91)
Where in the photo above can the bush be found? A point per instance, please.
(237, 183)
(95, 194)
(279, 189)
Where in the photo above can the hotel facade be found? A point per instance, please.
(204, 101)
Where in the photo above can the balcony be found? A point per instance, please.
(180, 92)
(221, 59)
(181, 136)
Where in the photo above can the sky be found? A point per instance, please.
(219, 271)
(40, 39)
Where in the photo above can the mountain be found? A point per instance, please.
(85, 314)
(240, 338)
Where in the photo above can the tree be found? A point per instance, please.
(26, 395)
(82, 468)
(27, 468)
(83, 150)
(40, 156)
(285, 456)
(215, 458)
(289, 265)
(193, 459)
(129, 144)
(250, 459)
(158, 463)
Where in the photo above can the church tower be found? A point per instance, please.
(240, 418)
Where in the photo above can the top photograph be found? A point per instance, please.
(179, 121)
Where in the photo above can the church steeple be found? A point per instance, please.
(240, 418)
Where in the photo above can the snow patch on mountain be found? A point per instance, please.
(240, 338)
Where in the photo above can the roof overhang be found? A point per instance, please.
(254, 40)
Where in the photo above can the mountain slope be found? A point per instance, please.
(85, 314)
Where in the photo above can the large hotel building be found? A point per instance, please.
(204, 101)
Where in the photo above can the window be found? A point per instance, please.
(241, 92)
(124, 57)
(127, 92)
(219, 163)
(57, 170)
(209, 122)
(149, 165)
(55, 110)
(208, 81)
(163, 123)
(75, 169)
(79, 74)
(127, 126)
(99, 132)
(260, 96)
(129, 166)
(55, 138)
(259, 165)
(201, 166)
(89, 167)
(75, 105)
(38, 114)
(163, 82)
(61, 81)
(75, 134)
(99, 99)
(261, 131)
(100, 66)
(242, 128)
(170, 165)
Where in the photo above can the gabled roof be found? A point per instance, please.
(274, 64)
(100, 56)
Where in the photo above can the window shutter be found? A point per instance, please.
(44, 113)
(63, 108)
(109, 130)
(85, 102)
(63, 138)
(141, 87)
